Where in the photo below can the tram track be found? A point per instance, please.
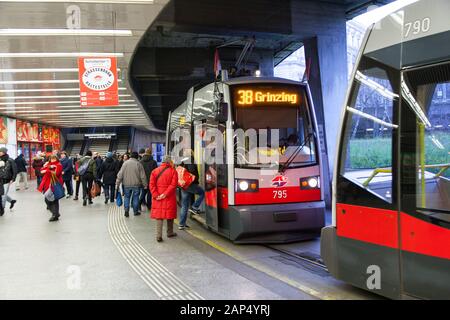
(304, 258)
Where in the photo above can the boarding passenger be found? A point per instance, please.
(8, 174)
(192, 190)
(22, 174)
(52, 167)
(132, 177)
(108, 174)
(163, 183)
(87, 169)
(149, 165)
(76, 177)
(67, 167)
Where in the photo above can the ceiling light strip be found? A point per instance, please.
(66, 32)
(42, 70)
(52, 97)
(87, 1)
(58, 54)
(46, 90)
(42, 81)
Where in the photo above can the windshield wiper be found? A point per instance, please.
(295, 153)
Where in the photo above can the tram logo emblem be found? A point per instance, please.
(279, 181)
(98, 78)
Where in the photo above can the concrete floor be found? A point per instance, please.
(94, 252)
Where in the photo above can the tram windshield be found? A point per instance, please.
(277, 118)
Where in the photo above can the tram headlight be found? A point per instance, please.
(245, 185)
(309, 183)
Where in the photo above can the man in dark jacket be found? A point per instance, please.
(67, 167)
(108, 174)
(98, 161)
(193, 189)
(87, 176)
(149, 165)
(21, 172)
(8, 174)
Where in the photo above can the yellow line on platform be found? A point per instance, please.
(262, 268)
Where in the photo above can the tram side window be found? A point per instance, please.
(425, 90)
(366, 157)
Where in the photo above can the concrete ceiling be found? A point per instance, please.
(44, 88)
(177, 51)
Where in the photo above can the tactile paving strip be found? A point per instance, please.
(159, 279)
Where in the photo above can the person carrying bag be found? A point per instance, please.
(51, 186)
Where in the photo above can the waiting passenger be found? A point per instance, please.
(149, 165)
(8, 174)
(163, 183)
(22, 174)
(87, 169)
(132, 177)
(108, 174)
(67, 167)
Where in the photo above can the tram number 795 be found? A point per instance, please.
(280, 194)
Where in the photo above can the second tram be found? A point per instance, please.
(391, 191)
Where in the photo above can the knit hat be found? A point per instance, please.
(4, 150)
(109, 154)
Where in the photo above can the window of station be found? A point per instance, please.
(425, 91)
(368, 137)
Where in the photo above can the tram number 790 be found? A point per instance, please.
(280, 194)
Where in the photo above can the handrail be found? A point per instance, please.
(376, 171)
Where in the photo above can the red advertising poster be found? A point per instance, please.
(98, 82)
(3, 130)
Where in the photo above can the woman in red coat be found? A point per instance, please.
(163, 184)
(51, 167)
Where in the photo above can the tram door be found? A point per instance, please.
(425, 182)
(213, 157)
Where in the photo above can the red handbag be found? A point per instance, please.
(185, 178)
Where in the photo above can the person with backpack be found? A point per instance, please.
(149, 165)
(76, 177)
(37, 165)
(8, 174)
(67, 168)
(163, 184)
(87, 169)
(186, 194)
(108, 174)
(132, 177)
(51, 168)
(22, 174)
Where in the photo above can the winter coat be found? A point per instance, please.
(13, 166)
(37, 165)
(131, 174)
(21, 164)
(108, 171)
(167, 184)
(149, 165)
(47, 175)
(67, 167)
(98, 164)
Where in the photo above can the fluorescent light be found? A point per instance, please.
(51, 102)
(87, 1)
(62, 32)
(51, 97)
(39, 70)
(96, 108)
(58, 54)
(46, 90)
(80, 111)
(43, 81)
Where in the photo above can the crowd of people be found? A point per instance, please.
(134, 176)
